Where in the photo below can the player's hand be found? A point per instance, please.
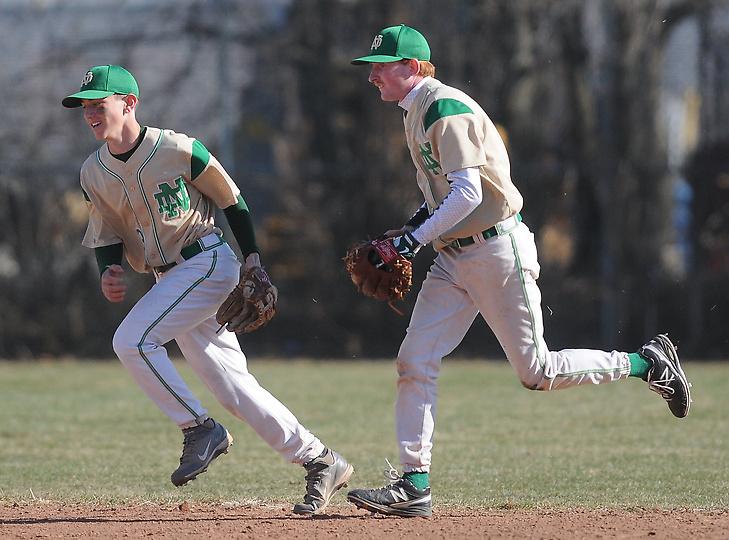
(406, 245)
(254, 259)
(113, 285)
(387, 250)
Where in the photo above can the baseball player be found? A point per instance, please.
(486, 263)
(152, 195)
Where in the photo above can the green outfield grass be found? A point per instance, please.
(83, 432)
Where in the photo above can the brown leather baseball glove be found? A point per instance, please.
(251, 304)
(379, 271)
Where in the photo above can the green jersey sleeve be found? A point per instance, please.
(199, 159)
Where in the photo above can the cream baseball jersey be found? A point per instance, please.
(160, 200)
(446, 131)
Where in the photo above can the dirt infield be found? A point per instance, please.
(51, 520)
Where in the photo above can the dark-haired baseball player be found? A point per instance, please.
(152, 195)
(486, 263)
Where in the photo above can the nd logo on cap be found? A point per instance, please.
(396, 43)
(103, 81)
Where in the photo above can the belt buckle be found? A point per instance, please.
(467, 241)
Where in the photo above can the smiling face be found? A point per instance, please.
(394, 79)
(106, 117)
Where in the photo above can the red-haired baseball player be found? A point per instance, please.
(486, 263)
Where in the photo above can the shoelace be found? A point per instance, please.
(189, 442)
(186, 446)
(391, 472)
(313, 480)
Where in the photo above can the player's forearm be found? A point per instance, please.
(241, 224)
(419, 217)
(465, 195)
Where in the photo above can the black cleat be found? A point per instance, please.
(400, 498)
(665, 377)
(201, 446)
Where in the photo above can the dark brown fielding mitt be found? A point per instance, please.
(251, 304)
(379, 271)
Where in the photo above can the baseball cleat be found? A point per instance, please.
(400, 498)
(201, 446)
(665, 377)
(325, 475)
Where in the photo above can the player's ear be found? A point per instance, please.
(130, 102)
(414, 65)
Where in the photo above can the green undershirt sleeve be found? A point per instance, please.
(108, 255)
(241, 224)
(199, 159)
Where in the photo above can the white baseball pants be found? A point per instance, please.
(497, 278)
(182, 306)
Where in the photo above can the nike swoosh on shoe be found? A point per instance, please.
(204, 455)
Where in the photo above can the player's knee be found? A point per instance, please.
(124, 343)
(530, 384)
(404, 367)
(416, 368)
(532, 376)
(539, 380)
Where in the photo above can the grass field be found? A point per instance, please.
(83, 432)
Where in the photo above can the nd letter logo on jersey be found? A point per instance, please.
(431, 164)
(172, 199)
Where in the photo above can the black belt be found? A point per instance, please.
(188, 252)
(488, 233)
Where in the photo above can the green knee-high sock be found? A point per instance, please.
(639, 366)
(420, 480)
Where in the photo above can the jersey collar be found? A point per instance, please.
(408, 100)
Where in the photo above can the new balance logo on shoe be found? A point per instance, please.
(662, 385)
(399, 495)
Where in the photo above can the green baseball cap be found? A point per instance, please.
(102, 81)
(396, 43)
